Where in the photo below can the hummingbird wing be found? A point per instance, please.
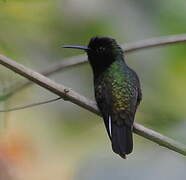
(118, 110)
(123, 113)
(102, 102)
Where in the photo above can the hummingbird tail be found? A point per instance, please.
(122, 142)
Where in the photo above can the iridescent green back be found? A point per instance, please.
(119, 86)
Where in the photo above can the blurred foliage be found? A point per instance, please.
(60, 135)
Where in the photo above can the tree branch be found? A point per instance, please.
(80, 59)
(154, 42)
(72, 96)
(68, 62)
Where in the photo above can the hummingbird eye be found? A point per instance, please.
(100, 49)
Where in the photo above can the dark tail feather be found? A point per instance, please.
(122, 142)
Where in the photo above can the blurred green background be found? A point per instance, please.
(63, 141)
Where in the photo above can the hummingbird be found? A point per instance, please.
(117, 90)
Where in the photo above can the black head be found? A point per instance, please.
(101, 51)
(104, 47)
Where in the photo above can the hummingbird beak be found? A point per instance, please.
(76, 47)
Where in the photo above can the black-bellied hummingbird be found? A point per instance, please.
(117, 90)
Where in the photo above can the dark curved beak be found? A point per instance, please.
(76, 47)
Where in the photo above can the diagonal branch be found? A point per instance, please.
(72, 96)
(68, 62)
(80, 59)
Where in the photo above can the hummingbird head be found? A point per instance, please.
(101, 51)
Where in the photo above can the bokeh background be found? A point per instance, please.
(63, 141)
